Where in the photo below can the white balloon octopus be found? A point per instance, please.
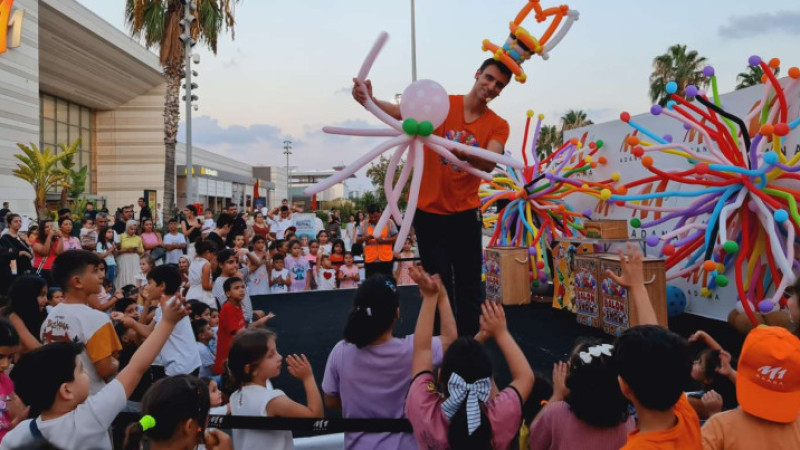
(424, 107)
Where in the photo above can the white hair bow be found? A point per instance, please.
(459, 391)
(595, 351)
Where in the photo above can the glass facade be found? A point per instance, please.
(61, 123)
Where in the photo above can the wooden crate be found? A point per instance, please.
(617, 312)
(606, 229)
(563, 272)
(586, 291)
(508, 275)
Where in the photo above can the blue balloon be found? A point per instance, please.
(676, 301)
(672, 87)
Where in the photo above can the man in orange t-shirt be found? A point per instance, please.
(448, 221)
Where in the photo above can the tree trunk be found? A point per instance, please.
(64, 200)
(174, 74)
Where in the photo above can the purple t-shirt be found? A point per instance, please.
(559, 429)
(298, 268)
(372, 383)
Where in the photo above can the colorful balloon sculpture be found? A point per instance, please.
(424, 107)
(537, 212)
(744, 215)
(521, 45)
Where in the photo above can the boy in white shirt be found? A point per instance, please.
(203, 334)
(174, 243)
(52, 381)
(279, 278)
(209, 224)
(79, 275)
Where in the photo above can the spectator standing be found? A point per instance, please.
(144, 210)
(120, 225)
(88, 234)
(107, 251)
(260, 226)
(130, 249)
(101, 221)
(191, 227)
(281, 220)
(15, 254)
(334, 227)
(200, 283)
(378, 254)
(152, 241)
(68, 241)
(5, 210)
(45, 246)
(174, 243)
(238, 225)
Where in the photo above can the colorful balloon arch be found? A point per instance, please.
(743, 217)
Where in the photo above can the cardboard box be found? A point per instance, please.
(563, 272)
(508, 275)
(586, 292)
(606, 229)
(617, 312)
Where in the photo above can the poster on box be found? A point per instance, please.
(586, 299)
(564, 276)
(494, 289)
(614, 298)
(620, 159)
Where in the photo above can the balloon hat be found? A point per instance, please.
(537, 212)
(521, 45)
(424, 108)
(744, 216)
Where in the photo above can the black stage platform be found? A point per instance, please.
(312, 323)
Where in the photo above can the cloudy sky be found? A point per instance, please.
(288, 72)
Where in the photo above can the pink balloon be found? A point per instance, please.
(425, 100)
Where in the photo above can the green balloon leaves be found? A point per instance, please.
(414, 128)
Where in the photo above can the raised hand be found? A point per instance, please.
(493, 319)
(299, 367)
(560, 390)
(632, 267)
(428, 285)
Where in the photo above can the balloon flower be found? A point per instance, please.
(521, 45)
(743, 215)
(536, 211)
(424, 107)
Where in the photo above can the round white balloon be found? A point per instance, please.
(425, 100)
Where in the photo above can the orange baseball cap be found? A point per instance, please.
(768, 381)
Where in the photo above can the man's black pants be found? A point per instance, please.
(450, 245)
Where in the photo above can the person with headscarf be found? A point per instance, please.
(130, 249)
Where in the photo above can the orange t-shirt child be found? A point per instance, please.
(446, 189)
(684, 435)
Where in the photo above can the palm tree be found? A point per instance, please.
(40, 168)
(751, 77)
(574, 119)
(74, 182)
(549, 140)
(678, 65)
(158, 24)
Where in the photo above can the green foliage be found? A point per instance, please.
(751, 76)
(40, 168)
(75, 181)
(678, 65)
(377, 174)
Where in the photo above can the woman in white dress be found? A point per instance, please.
(130, 249)
(200, 283)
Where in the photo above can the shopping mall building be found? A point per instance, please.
(66, 73)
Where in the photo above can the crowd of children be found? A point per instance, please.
(184, 341)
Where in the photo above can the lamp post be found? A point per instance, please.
(189, 6)
(287, 150)
(413, 45)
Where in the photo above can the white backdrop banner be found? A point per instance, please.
(620, 159)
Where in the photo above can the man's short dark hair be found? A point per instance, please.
(500, 66)
(173, 220)
(229, 283)
(373, 208)
(284, 208)
(71, 263)
(141, 199)
(224, 220)
(655, 363)
(167, 274)
(122, 305)
(64, 211)
(39, 374)
(232, 205)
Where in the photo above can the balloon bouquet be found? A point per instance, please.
(743, 218)
(424, 107)
(537, 212)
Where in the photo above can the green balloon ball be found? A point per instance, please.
(635, 222)
(721, 280)
(536, 283)
(730, 247)
(425, 128)
(599, 143)
(411, 126)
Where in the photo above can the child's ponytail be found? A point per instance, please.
(247, 350)
(374, 311)
(169, 403)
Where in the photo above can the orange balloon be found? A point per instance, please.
(794, 72)
(647, 161)
(764, 78)
(710, 266)
(774, 63)
(602, 160)
(767, 129)
(594, 165)
(633, 140)
(622, 190)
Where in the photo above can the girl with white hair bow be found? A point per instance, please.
(460, 411)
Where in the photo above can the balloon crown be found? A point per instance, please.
(521, 45)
